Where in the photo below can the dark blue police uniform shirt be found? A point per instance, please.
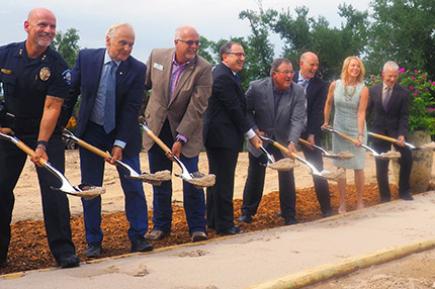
(27, 82)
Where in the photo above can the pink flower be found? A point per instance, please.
(411, 87)
(433, 83)
(415, 93)
(413, 77)
(402, 69)
(431, 109)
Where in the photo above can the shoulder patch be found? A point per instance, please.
(67, 76)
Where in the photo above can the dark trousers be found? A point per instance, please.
(54, 203)
(220, 211)
(321, 186)
(92, 171)
(405, 163)
(253, 191)
(193, 198)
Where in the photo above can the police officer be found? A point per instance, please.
(35, 83)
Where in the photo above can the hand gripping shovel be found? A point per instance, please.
(326, 154)
(285, 164)
(428, 146)
(197, 179)
(66, 187)
(386, 155)
(314, 171)
(155, 179)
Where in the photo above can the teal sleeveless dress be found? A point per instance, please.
(346, 101)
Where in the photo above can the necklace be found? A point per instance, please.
(349, 93)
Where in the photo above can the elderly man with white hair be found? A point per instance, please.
(389, 104)
(111, 84)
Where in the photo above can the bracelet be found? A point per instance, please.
(42, 144)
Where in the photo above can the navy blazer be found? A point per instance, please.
(225, 121)
(130, 87)
(393, 121)
(316, 93)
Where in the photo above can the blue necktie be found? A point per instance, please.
(109, 107)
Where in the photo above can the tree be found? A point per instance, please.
(403, 31)
(67, 45)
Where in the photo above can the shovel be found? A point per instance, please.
(155, 179)
(284, 165)
(197, 179)
(314, 171)
(386, 155)
(66, 187)
(429, 146)
(326, 154)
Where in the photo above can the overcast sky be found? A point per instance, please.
(155, 21)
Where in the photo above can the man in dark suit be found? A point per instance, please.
(389, 107)
(315, 90)
(111, 84)
(276, 109)
(225, 126)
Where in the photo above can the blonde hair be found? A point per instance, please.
(345, 75)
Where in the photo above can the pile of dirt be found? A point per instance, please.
(29, 249)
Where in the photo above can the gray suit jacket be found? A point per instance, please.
(288, 122)
(185, 111)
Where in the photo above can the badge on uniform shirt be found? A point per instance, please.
(44, 73)
(6, 71)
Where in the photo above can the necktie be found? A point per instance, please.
(109, 107)
(304, 83)
(386, 97)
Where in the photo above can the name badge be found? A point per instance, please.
(158, 66)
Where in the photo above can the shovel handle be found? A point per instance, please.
(157, 140)
(25, 148)
(346, 137)
(283, 149)
(305, 142)
(92, 148)
(383, 137)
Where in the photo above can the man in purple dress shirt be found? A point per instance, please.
(181, 84)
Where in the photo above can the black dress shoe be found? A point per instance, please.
(3, 263)
(70, 261)
(156, 235)
(385, 199)
(327, 213)
(245, 218)
(406, 197)
(230, 231)
(290, 221)
(199, 236)
(141, 245)
(93, 251)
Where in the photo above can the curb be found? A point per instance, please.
(324, 272)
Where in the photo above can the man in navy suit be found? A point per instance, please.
(225, 126)
(315, 90)
(389, 103)
(111, 84)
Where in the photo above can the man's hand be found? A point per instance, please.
(401, 141)
(260, 133)
(40, 156)
(116, 155)
(311, 140)
(256, 142)
(291, 149)
(6, 130)
(176, 149)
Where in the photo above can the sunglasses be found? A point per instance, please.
(190, 42)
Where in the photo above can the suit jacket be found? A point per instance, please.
(226, 120)
(316, 93)
(394, 120)
(130, 79)
(185, 109)
(287, 123)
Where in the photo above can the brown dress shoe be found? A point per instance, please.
(156, 235)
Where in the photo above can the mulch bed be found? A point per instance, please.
(29, 248)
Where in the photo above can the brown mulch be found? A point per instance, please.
(29, 248)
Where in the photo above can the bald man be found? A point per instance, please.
(315, 91)
(35, 84)
(110, 83)
(181, 84)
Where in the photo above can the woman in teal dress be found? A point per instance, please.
(350, 97)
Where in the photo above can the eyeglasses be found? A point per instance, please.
(238, 54)
(285, 72)
(190, 42)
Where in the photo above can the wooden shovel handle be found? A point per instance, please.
(305, 142)
(93, 149)
(383, 137)
(283, 149)
(346, 137)
(29, 151)
(158, 141)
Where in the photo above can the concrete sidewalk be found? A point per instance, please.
(251, 258)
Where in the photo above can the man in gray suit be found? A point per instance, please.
(276, 109)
